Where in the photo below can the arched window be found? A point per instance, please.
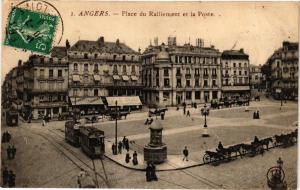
(95, 92)
(75, 67)
(124, 68)
(96, 68)
(115, 69)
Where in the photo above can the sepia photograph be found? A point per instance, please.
(149, 95)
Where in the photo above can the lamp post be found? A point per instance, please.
(116, 129)
(205, 112)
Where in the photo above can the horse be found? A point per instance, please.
(266, 142)
(237, 149)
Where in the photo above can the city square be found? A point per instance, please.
(149, 95)
(229, 125)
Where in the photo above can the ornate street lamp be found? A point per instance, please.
(116, 129)
(205, 112)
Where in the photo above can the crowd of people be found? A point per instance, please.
(8, 176)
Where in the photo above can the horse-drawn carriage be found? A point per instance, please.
(157, 111)
(286, 140)
(113, 115)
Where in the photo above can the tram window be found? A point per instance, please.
(94, 142)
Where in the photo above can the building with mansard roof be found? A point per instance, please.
(283, 75)
(235, 74)
(45, 84)
(99, 69)
(175, 74)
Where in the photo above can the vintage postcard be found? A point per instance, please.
(149, 95)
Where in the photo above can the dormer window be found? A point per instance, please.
(115, 57)
(85, 56)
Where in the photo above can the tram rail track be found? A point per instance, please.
(71, 155)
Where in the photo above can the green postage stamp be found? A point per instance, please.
(30, 30)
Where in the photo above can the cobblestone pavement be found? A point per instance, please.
(44, 160)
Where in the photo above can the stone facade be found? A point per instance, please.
(174, 74)
(256, 77)
(46, 84)
(235, 74)
(283, 75)
(101, 69)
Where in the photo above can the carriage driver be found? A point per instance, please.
(220, 146)
(256, 141)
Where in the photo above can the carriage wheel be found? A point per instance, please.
(275, 170)
(206, 158)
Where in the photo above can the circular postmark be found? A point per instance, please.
(34, 25)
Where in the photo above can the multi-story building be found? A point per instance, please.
(235, 74)
(46, 84)
(174, 74)
(102, 69)
(256, 77)
(283, 75)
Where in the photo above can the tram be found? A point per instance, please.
(72, 133)
(92, 141)
(12, 118)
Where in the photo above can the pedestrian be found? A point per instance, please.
(5, 176)
(4, 139)
(148, 172)
(44, 120)
(123, 141)
(188, 113)
(113, 148)
(257, 114)
(146, 122)
(127, 157)
(127, 144)
(134, 158)
(11, 179)
(81, 175)
(153, 172)
(13, 151)
(8, 150)
(254, 115)
(185, 154)
(8, 136)
(120, 145)
(184, 109)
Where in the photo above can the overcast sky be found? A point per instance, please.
(259, 28)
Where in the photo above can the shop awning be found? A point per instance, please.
(116, 77)
(134, 78)
(123, 101)
(97, 77)
(76, 78)
(86, 101)
(124, 77)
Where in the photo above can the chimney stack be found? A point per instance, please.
(156, 41)
(242, 50)
(199, 42)
(101, 41)
(171, 41)
(118, 42)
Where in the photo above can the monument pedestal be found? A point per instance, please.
(155, 151)
(156, 155)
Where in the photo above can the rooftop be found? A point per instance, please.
(101, 46)
(59, 52)
(234, 54)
